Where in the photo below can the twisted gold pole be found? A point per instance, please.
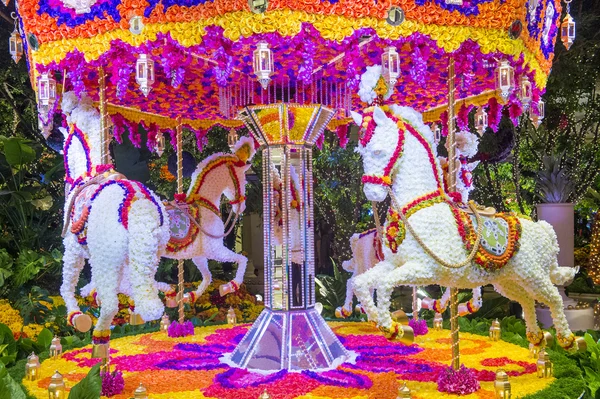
(451, 146)
(104, 124)
(179, 134)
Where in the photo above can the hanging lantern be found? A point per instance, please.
(526, 92)
(160, 144)
(144, 73)
(56, 389)
(232, 138)
(32, 367)
(136, 25)
(140, 392)
(541, 109)
(495, 330)
(231, 317)
(504, 78)
(258, 6)
(437, 133)
(263, 64)
(544, 365)
(165, 323)
(481, 121)
(567, 28)
(80, 6)
(15, 45)
(438, 321)
(403, 392)
(265, 395)
(55, 348)
(390, 61)
(46, 89)
(5, 2)
(395, 16)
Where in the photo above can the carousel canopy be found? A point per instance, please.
(202, 63)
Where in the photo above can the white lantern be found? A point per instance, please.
(136, 25)
(437, 133)
(46, 89)
(160, 144)
(390, 61)
(541, 109)
(263, 64)
(526, 92)
(144, 73)
(258, 6)
(505, 78)
(80, 6)
(567, 28)
(481, 120)
(232, 138)
(55, 348)
(395, 16)
(15, 45)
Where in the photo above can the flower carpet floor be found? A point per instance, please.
(178, 368)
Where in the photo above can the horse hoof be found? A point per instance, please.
(408, 335)
(100, 351)
(338, 313)
(359, 309)
(171, 302)
(581, 344)
(228, 288)
(399, 316)
(82, 323)
(548, 339)
(135, 319)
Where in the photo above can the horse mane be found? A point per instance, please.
(206, 162)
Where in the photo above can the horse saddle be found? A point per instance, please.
(488, 211)
(183, 226)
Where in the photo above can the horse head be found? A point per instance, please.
(380, 147)
(244, 151)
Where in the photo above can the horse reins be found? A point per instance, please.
(185, 209)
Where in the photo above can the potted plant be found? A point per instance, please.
(554, 187)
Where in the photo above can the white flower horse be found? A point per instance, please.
(429, 240)
(119, 225)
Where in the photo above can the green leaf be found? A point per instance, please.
(44, 339)
(9, 388)
(9, 353)
(17, 152)
(89, 387)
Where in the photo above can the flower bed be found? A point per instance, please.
(189, 367)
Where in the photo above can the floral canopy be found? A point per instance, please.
(203, 52)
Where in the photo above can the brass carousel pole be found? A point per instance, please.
(104, 124)
(179, 134)
(451, 146)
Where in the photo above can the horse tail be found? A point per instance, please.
(349, 265)
(558, 275)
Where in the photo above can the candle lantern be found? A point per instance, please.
(56, 389)
(390, 61)
(544, 365)
(15, 45)
(232, 138)
(263, 64)
(46, 90)
(481, 120)
(403, 392)
(526, 93)
(264, 395)
(567, 28)
(144, 73)
(55, 348)
(165, 323)
(505, 78)
(32, 367)
(495, 330)
(160, 144)
(502, 385)
(136, 25)
(231, 317)
(438, 321)
(141, 392)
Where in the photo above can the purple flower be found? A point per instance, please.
(181, 330)
(112, 383)
(462, 381)
(419, 326)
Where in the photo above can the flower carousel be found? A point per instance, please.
(408, 73)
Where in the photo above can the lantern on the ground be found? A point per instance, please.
(165, 323)
(15, 45)
(263, 64)
(136, 25)
(390, 61)
(32, 367)
(567, 28)
(438, 321)
(505, 78)
(495, 330)
(544, 365)
(265, 395)
(526, 92)
(232, 138)
(403, 392)
(481, 120)
(231, 317)
(160, 144)
(140, 392)
(46, 89)
(502, 385)
(144, 73)
(55, 348)
(56, 389)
